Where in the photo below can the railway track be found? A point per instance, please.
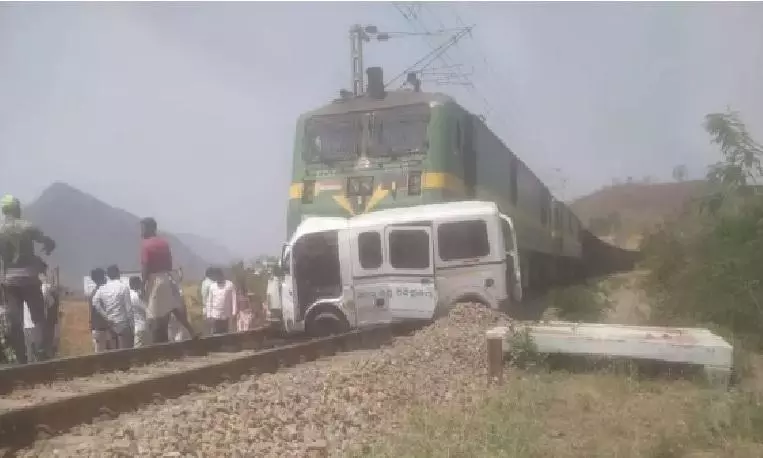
(44, 399)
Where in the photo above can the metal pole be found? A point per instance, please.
(495, 356)
(356, 55)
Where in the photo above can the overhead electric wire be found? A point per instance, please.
(444, 57)
(432, 55)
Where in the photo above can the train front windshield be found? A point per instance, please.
(399, 131)
(391, 132)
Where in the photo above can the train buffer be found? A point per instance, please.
(650, 346)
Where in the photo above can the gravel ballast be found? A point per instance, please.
(344, 401)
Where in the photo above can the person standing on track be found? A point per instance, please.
(112, 301)
(19, 276)
(161, 295)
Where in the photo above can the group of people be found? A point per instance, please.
(227, 306)
(140, 312)
(118, 312)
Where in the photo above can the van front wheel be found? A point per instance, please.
(325, 323)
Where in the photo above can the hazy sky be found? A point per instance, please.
(187, 111)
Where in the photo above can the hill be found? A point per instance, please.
(207, 249)
(621, 213)
(90, 233)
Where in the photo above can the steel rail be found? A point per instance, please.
(13, 377)
(22, 426)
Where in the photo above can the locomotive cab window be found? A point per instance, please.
(463, 240)
(370, 250)
(409, 249)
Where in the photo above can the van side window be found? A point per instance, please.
(408, 249)
(463, 240)
(370, 250)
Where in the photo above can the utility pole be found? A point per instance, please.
(358, 35)
(356, 54)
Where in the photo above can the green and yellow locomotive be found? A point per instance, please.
(402, 148)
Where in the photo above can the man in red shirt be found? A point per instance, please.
(163, 297)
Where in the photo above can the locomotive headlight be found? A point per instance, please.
(414, 183)
(308, 191)
(360, 186)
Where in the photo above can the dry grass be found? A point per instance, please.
(586, 415)
(75, 329)
(606, 413)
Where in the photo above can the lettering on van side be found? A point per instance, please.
(413, 292)
(382, 294)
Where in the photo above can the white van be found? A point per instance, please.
(391, 265)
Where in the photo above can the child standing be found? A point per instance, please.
(244, 313)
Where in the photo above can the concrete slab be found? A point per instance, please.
(676, 345)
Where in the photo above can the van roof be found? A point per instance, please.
(313, 224)
(428, 212)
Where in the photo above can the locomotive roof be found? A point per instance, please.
(391, 99)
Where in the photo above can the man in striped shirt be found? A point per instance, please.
(113, 302)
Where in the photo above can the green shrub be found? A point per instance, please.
(705, 267)
(587, 302)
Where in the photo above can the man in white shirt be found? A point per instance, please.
(221, 301)
(138, 312)
(113, 302)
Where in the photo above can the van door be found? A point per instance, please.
(512, 258)
(371, 289)
(410, 270)
(287, 294)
